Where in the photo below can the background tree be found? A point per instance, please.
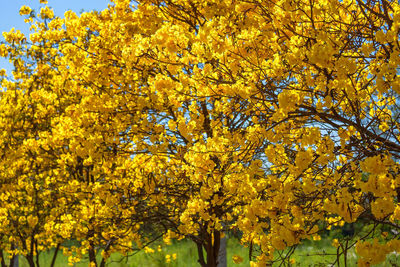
(67, 172)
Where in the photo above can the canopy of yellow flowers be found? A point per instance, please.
(186, 119)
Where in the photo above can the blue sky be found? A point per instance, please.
(10, 18)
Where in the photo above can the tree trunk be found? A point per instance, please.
(92, 251)
(53, 261)
(92, 255)
(201, 255)
(211, 242)
(222, 253)
(14, 262)
(30, 260)
(37, 254)
(106, 249)
(212, 248)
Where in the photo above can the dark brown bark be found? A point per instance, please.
(92, 254)
(53, 261)
(106, 249)
(92, 251)
(212, 248)
(30, 260)
(30, 257)
(200, 254)
(210, 242)
(12, 261)
(37, 254)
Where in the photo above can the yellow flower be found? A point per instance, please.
(237, 259)
(25, 10)
(32, 220)
(167, 258)
(335, 243)
(148, 250)
(316, 237)
(46, 13)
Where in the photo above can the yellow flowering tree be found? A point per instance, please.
(66, 167)
(277, 119)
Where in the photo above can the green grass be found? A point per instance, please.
(186, 255)
(309, 253)
(321, 253)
